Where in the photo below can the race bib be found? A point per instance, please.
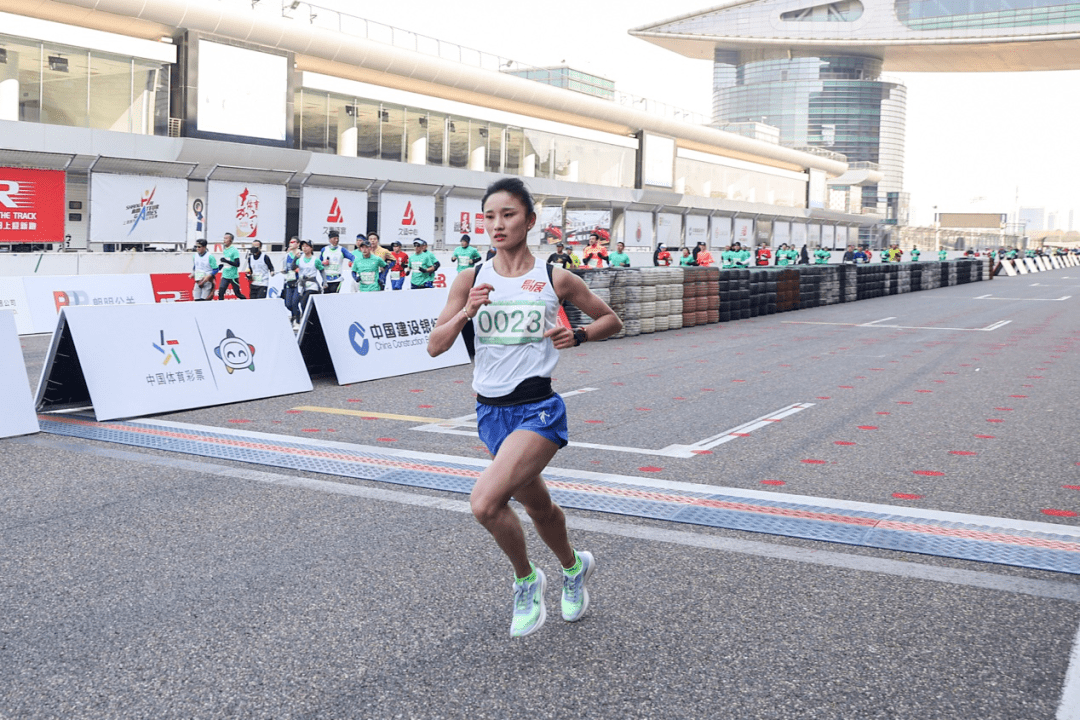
(395, 275)
(510, 322)
(367, 277)
(290, 274)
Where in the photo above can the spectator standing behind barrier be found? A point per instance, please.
(704, 258)
(894, 253)
(661, 257)
(333, 257)
(259, 270)
(422, 266)
(398, 264)
(203, 269)
(685, 258)
(822, 256)
(595, 255)
(292, 293)
(942, 255)
(230, 271)
(860, 255)
(619, 258)
(366, 269)
(728, 257)
(849, 255)
(915, 254)
(804, 256)
(464, 255)
(742, 257)
(762, 255)
(560, 257)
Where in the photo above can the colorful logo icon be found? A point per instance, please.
(358, 340)
(167, 348)
(410, 217)
(235, 353)
(336, 217)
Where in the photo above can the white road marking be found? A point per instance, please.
(1069, 707)
(989, 328)
(740, 430)
(875, 322)
(1060, 299)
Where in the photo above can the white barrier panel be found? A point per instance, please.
(376, 335)
(1021, 266)
(1007, 264)
(46, 296)
(1044, 262)
(17, 416)
(1055, 263)
(135, 360)
(13, 298)
(1031, 266)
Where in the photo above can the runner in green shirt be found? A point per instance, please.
(366, 267)
(686, 259)
(230, 268)
(422, 266)
(915, 254)
(742, 257)
(821, 256)
(465, 256)
(728, 257)
(619, 258)
(942, 256)
(782, 255)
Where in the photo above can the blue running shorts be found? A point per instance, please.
(546, 418)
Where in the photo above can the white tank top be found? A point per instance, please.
(510, 342)
(201, 265)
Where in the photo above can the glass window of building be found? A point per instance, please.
(20, 80)
(479, 132)
(150, 97)
(313, 123)
(495, 148)
(368, 127)
(539, 154)
(514, 147)
(111, 94)
(392, 133)
(65, 75)
(436, 142)
(341, 133)
(457, 134)
(416, 136)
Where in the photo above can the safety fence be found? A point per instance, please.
(654, 299)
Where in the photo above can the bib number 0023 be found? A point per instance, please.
(511, 323)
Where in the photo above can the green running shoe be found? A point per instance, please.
(575, 596)
(529, 610)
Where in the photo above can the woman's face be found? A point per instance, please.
(307, 250)
(505, 218)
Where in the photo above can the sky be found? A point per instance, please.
(975, 142)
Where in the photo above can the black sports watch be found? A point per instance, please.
(580, 336)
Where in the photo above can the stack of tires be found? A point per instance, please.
(690, 297)
(618, 298)
(787, 290)
(631, 317)
(711, 281)
(673, 289)
(849, 283)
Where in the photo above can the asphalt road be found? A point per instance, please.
(136, 583)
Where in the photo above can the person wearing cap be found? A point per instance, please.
(619, 258)
(560, 257)
(366, 268)
(465, 256)
(203, 269)
(332, 257)
(422, 266)
(703, 257)
(661, 257)
(398, 266)
(595, 255)
(742, 258)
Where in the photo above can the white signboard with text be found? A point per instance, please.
(781, 233)
(383, 334)
(464, 216)
(47, 295)
(326, 209)
(13, 299)
(143, 359)
(137, 208)
(250, 211)
(697, 229)
(17, 416)
(638, 229)
(815, 235)
(798, 234)
(744, 231)
(828, 237)
(406, 218)
(721, 231)
(669, 229)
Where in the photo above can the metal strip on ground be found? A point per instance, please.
(1032, 545)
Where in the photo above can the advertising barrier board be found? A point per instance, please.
(32, 205)
(250, 211)
(375, 335)
(138, 208)
(326, 209)
(134, 360)
(638, 229)
(13, 299)
(17, 416)
(46, 295)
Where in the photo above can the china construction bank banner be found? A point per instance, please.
(406, 218)
(17, 416)
(31, 205)
(143, 359)
(326, 209)
(250, 211)
(381, 334)
(137, 208)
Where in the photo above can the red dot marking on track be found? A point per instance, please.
(479, 447)
(678, 398)
(707, 390)
(906, 496)
(846, 387)
(1071, 487)
(650, 468)
(773, 482)
(594, 422)
(924, 391)
(1034, 377)
(784, 365)
(644, 409)
(964, 365)
(651, 375)
(961, 452)
(931, 473)
(416, 391)
(309, 430)
(823, 397)
(867, 427)
(1018, 396)
(860, 377)
(368, 417)
(740, 434)
(330, 430)
(238, 421)
(292, 412)
(1058, 513)
(738, 381)
(1027, 386)
(359, 400)
(1004, 409)
(878, 369)
(595, 462)
(386, 439)
(883, 412)
(948, 372)
(702, 452)
(458, 382)
(986, 437)
(813, 462)
(939, 381)
(842, 442)
(425, 406)
(904, 402)
(618, 383)
(994, 420)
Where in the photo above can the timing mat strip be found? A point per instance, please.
(1023, 544)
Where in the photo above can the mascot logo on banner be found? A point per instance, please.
(356, 338)
(235, 353)
(247, 215)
